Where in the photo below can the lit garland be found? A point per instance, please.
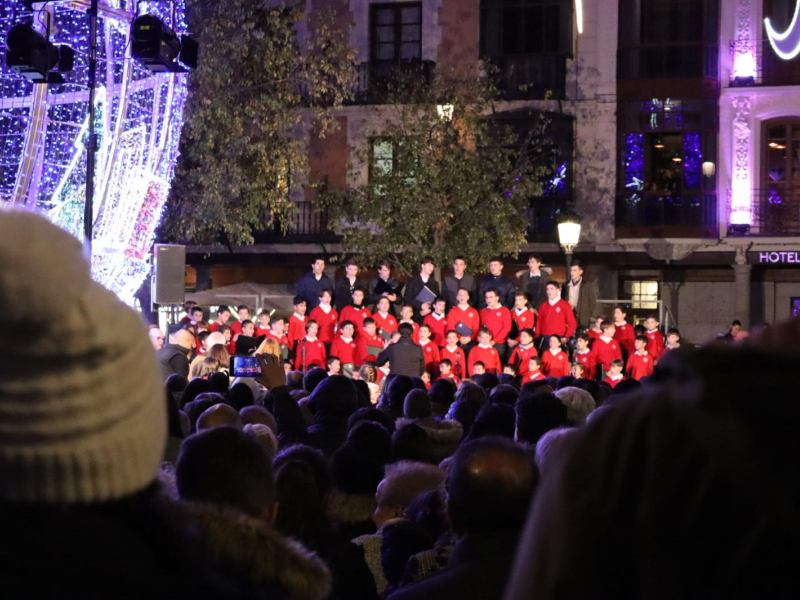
(43, 135)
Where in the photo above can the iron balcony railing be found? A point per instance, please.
(764, 212)
(675, 213)
(668, 61)
(378, 78)
(752, 62)
(531, 77)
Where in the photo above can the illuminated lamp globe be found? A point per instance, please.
(569, 231)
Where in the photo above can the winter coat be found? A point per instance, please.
(404, 358)
(445, 435)
(173, 360)
(332, 402)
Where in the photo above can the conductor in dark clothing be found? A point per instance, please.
(497, 281)
(404, 356)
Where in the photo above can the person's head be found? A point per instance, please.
(673, 336)
(263, 319)
(223, 314)
(462, 296)
(406, 312)
(485, 335)
(405, 330)
(615, 367)
(576, 270)
(403, 482)
(348, 328)
(598, 321)
(438, 305)
(181, 337)
(196, 314)
(384, 269)
(459, 266)
(478, 368)
(156, 337)
(496, 266)
(520, 300)
(325, 297)
(243, 312)
(203, 368)
(736, 327)
(426, 378)
(608, 329)
(534, 262)
(492, 298)
(554, 342)
(582, 342)
(248, 328)
(278, 325)
(240, 395)
(227, 332)
(299, 304)
(424, 309)
(553, 290)
(258, 415)
(417, 405)
(510, 370)
(538, 413)
(620, 314)
(651, 323)
(445, 367)
(226, 468)
(494, 419)
(358, 296)
(451, 337)
(318, 265)
(383, 305)
(312, 328)
(534, 364)
(424, 332)
(427, 266)
(351, 269)
(334, 365)
(640, 343)
(219, 415)
(484, 476)
(577, 370)
(526, 337)
(367, 373)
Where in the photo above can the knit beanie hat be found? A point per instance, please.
(313, 378)
(83, 417)
(417, 405)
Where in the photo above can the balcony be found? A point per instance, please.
(754, 63)
(531, 77)
(307, 224)
(666, 214)
(679, 60)
(377, 79)
(770, 212)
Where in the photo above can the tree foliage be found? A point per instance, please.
(457, 186)
(254, 90)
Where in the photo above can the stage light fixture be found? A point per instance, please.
(157, 47)
(34, 57)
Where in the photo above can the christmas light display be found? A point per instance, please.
(138, 120)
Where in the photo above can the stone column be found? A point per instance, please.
(741, 294)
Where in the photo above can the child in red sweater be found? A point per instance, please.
(523, 316)
(464, 313)
(655, 340)
(310, 351)
(485, 353)
(673, 342)
(577, 371)
(623, 331)
(429, 350)
(326, 316)
(555, 362)
(478, 368)
(297, 322)
(370, 344)
(263, 322)
(455, 354)
(344, 347)
(523, 352)
(355, 312)
(334, 365)
(383, 319)
(596, 332)
(437, 322)
(446, 370)
(556, 316)
(605, 348)
(640, 363)
(585, 357)
(615, 373)
(407, 316)
(534, 370)
(498, 319)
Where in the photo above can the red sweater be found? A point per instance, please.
(297, 329)
(498, 320)
(315, 354)
(458, 358)
(521, 356)
(593, 335)
(470, 317)
(640, 365)
(214, 326)
(365, 341)
(625, 336)
(380, 373)
(388, 324)
(236, 328)
(525, 320)
(327, 323)
(605, 352)
(438, 328)
(613, 382)
(556, 320)
(489, 358)
(430, 352)
(356, 316)
(555, 365)
(589, 362)
(531, 376)
(260, 331)
(655, 343)
(344, 351)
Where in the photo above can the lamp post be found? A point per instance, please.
(569, 234)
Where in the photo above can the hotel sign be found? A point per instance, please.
(774, 258)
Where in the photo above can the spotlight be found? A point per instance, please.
(676, 158)
(31, 55)
(658, 142)
(156, 46)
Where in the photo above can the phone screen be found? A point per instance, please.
(245, 366)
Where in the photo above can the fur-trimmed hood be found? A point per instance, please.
(349, 508)
(440, 432)
(246, 549)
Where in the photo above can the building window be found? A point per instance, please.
(396, 32)
(519, 27)
(672, 21)
(642, 294)
(389, 157)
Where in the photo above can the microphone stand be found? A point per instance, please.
(304, 354)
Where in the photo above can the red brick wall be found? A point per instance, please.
(328, 158)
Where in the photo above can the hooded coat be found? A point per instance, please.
(332, 402)
(445, 435)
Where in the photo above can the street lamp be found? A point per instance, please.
(569, 234)
(445, 111)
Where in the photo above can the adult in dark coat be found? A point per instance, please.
(332, 402)
(496, 280)
(404, 356)
(343, 290)
(422, 279)
(383, 284)
(459, 280)
(490, 485)
(582, 294)
(174, 357)
(533, 282)
(312, 283)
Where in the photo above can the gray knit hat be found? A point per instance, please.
(82, 407)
